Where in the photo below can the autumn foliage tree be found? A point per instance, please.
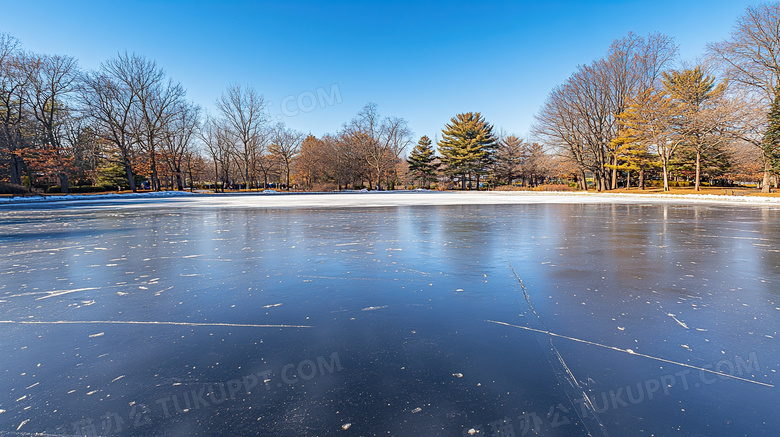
(646, 124)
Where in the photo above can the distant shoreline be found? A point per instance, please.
(383, 198)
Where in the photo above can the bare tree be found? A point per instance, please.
(111, 103)
(243, 111)
(633, 64)
(285, 145)
(14, 78)
(381, 141)
(750, 58)
(52, 81)
(581, 117)
(177, 136)
(536, 166)
(748, 118)
(157, 101)
(219, 148)
(347, 160)
(577, 118)
(84, 145)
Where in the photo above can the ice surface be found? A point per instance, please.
(303, 311)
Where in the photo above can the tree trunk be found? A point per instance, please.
(463, 182)
(614, 172)
(584, 181)
(216, 176)
(642, 179)
(666, 176)
(130, 178)
(698, 170)
(153, 162)
(288, 177)
(17, 169)
(765, 185)
(63, 183)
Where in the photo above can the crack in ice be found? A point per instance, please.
(632, 352)
(572, 380)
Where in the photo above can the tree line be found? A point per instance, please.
(127, 125)
(636, 112)
(635, 116)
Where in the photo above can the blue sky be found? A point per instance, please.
(423, 61)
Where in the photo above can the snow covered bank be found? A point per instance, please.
(387, 199)
(93, 197)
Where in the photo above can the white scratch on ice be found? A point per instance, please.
(61, 292)
(631, 352)
(677, 320)
(129, 322)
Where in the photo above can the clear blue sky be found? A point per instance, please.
(424, 61)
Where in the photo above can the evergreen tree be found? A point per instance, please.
(715, 161)
(113, 175)
(422, 162)
(633, 156)
(509, 159)
(646, 128)
(467, 146)
(771, 142)
(700, 115)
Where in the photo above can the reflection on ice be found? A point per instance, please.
(659, 314)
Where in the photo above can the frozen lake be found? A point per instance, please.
(202, 317)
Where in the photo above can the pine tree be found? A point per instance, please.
(633, 156)
(509, 157)
(700, 114)
(771, 142)
(646, 124)
(422, 162)
(467, 145)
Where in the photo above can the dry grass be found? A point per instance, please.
(543, 187)
(719, 191)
